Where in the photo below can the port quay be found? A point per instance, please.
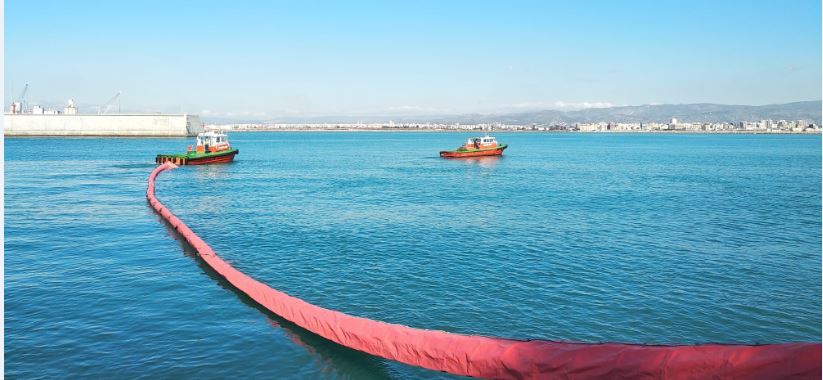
(38, 121)
(119, 125)
(68, 122)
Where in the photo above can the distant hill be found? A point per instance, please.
(700, 112)
(661, 113)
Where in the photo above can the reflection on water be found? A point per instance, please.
(484, 162)
(330, 358)
(211, 172)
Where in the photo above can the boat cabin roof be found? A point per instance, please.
(210, 134)
(212, 138)
(483, 140)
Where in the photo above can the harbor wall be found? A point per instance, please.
(121, 125)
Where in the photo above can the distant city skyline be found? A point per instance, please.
(250, 60)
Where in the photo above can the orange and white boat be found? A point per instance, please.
(476, 147)
(210, 148)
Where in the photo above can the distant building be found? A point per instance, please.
(70, 108)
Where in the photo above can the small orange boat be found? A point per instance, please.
(211, 148)
(476, 147)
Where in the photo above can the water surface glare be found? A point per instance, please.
(582, 237)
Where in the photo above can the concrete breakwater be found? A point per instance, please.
(119, 125)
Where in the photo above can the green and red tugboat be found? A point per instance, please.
(476, 147)
(211, 148)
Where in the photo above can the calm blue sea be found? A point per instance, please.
(583, 237)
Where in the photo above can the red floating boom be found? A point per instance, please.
(490, 357)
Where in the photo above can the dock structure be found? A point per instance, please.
(107, 125)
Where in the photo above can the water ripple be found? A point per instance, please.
(658, 239)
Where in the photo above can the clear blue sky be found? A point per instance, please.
(264, 60)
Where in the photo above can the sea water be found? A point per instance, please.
(575, 237)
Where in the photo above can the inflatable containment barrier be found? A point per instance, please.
(490, 357)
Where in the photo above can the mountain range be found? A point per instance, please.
(700, 112)
(660, 113)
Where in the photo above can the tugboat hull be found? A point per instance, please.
(197, 159)
(497, 151)
(223, 158)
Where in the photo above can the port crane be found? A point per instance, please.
(21, 99)
(105, 108)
